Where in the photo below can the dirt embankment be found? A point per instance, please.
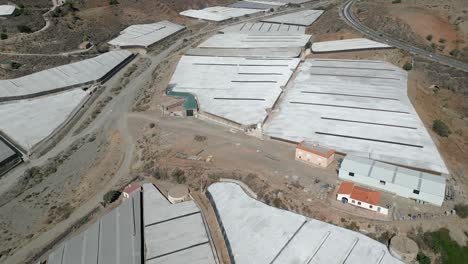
(447, 102)
(49, 194)
(438, 26)
(329, 26)
(98, 22)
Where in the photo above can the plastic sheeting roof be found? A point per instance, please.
(261, 234)
(347, 44)
(146, 34)
(70, 75)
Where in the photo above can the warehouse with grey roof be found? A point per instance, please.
(404, 182)
(145, 228)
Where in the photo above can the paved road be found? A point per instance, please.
(347, 15)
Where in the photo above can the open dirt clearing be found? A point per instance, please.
(434, 25)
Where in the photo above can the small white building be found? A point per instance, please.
(404, 182)
(6, 10)
(360, 197)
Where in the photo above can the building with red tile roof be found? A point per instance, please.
(348, 192)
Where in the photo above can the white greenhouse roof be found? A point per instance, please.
(174, 233)
(237, 89)
(6, 10)
(356, 107)
(5, 151)
(29, 121)
(261, 234)
(256, 52)
(407, 178)
(218, 13)
(249, 41)
(347, 44)
(114, 238)
(264, 28)
(62, 77)
(146, 34)
(301, 18)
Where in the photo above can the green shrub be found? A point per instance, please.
(308, 45)
(113, 2)
(442, 40)
(3, 36)
(24, 29)
(440, 128)
(178, 175)
(455, 52)
(111, 196)
(429, 37)
(451, 251)
(423, 259)
(408, 66)
(462, 210)
(396, 1)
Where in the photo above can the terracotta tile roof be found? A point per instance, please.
(346, 188)
(318, 150)
(132, 188)
(359, 194)
(365, 195)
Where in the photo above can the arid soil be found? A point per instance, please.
(440, 26)
(77, 23)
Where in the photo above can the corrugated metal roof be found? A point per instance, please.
(408, 178)
(115, 238)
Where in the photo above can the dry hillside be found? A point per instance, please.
(98, 21)
(440, 26)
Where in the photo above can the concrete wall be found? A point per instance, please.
(314, 159)
(389, 187)
(364, 205)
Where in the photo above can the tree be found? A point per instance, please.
(423, 259)
(308, 45)
(455, 52)
(396, 1)
(24, 29)
(429, 37)
(178, 175)
(408, 66)
(113, 2)
(440, 128)
(3, 36)
(111, 196)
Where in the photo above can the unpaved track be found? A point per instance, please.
(114, 117)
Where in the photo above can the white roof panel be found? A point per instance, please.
(264, 28)
(347, 44)
(238, 89)
(302, 18)
(249, 41)
(258, 233)
(6, 10)
(218, 13)
(145, 35)
(29, 121)
(356, 107)
(58, 78)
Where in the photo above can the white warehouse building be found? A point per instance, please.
(394, 179)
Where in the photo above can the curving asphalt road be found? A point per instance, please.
(347, 14)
